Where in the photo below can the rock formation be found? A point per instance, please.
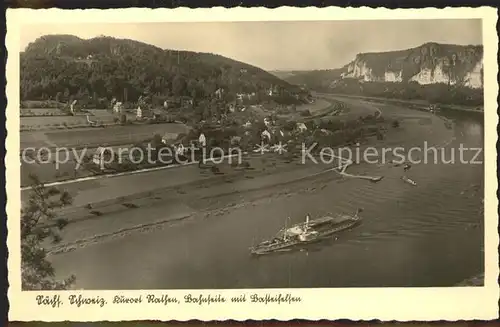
(428, 64)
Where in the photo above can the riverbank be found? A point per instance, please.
(408, 226)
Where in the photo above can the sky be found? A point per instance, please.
(304, 45)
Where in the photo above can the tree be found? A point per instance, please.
(156, 145)
(38, 223)
(178, 85)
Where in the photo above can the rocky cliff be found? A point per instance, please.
(429, 63)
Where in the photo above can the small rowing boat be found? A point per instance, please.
(409, 181)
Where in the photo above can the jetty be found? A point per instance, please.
(369, 178)
(344, 163)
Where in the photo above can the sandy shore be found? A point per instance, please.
(159, 208)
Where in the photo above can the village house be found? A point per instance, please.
(235, 140)
(168, 137)
(231, 107)
(180, 149)
(102, 156)
(187, 100)
(118, 108)
(245, 96)
(301, 127)
(202, 140)
(176, 102)
(144, 113)
(273, 91)
(265, 136)
(218, 93)
(171, 103)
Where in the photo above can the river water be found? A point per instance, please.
(428, 235)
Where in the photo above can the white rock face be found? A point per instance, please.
(358, 69)
(393, 76)
(427, 76)
(474, 79)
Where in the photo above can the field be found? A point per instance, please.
(46, 119)
(85, 140)
(42, 104)
(94, 137)
(42, 112)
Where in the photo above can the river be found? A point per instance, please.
(424, 236)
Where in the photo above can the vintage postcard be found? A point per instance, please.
(216, 164)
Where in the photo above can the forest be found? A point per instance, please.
(66, 68)
(432, 93)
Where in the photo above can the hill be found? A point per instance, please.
(450, 73)
(64, 67)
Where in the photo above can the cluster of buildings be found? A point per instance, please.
(143, 112)
(105, 155)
